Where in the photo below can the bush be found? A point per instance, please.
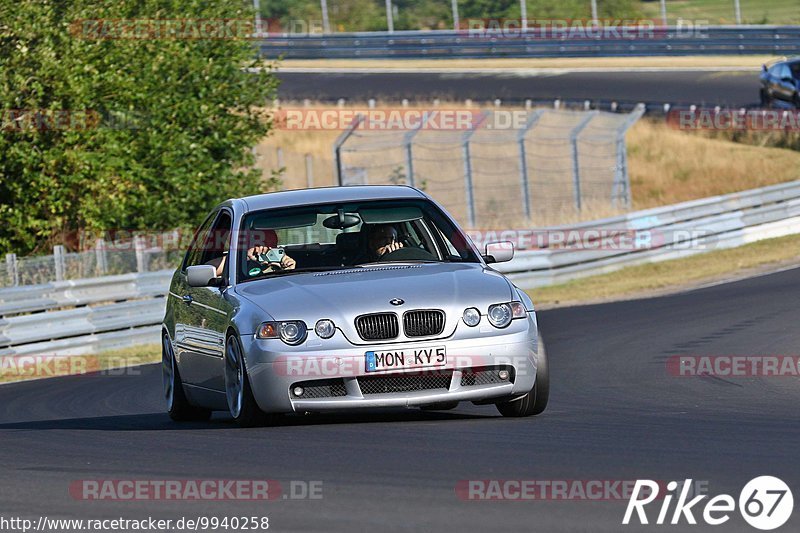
(103, 133)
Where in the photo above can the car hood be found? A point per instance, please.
(341, 295)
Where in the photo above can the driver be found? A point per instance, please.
(381, 240)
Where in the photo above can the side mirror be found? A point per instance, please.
(202, 276)
(499, 252)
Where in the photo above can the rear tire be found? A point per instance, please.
(535, 401)
(241, 403)
(178, 407)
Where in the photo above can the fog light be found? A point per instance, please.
(503, 374)
(471, 317)
(325, 328)
(298, 391)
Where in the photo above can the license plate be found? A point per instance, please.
(406, 358)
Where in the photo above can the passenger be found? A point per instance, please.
(254, 257)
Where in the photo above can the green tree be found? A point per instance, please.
(179, 111)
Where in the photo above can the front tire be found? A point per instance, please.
(241, 403)
(766, 101)
(178, 407)
(535, 401)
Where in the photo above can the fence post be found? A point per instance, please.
(408, 141)
(621, 188)
(468, 170)
(257, 8)
(58, 260)
(533, 118)
(573, 139)
(138, 245)
(12, 268)
(309, 171)
(101, 256)
(337, 147)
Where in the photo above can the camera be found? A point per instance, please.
(274, 255)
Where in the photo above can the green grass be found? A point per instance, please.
(721, 11)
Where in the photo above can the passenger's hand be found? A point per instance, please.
(389, 248)
(255, 251)
(288, 263)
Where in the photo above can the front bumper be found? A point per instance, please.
(335, 375)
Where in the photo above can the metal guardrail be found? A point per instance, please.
(92, 324)
(102, 314)
(682, 229)
(442, 44)
(33, 298)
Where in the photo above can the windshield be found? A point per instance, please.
(336, 236)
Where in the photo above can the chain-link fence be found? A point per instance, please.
(505, 168)
(105, 259)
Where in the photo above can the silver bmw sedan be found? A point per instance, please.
(345, 298)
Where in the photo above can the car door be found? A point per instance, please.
(184, 340)
(207, 310)
(784, 86)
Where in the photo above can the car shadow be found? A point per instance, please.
(160, 421)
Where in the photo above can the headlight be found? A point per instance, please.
(325, 328)
(291, 332)
(501, 315)
(471, 317)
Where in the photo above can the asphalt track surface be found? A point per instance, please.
(615, 413)
(702, 88)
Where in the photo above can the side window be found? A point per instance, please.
(196, 248)
(217, 241)
(784, 72)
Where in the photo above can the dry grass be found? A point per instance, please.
(25, 368)
(675, 274)
(669, 166)
(754, 61)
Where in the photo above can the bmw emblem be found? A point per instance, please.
(397, 301)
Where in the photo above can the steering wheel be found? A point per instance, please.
(409, 254)
(252, 266)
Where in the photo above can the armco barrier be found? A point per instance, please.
(442, 44)
(96, 324)
(25, 299)
(722, 222)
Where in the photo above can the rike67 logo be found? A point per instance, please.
(765, 503)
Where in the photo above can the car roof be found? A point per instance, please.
(325, 195)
